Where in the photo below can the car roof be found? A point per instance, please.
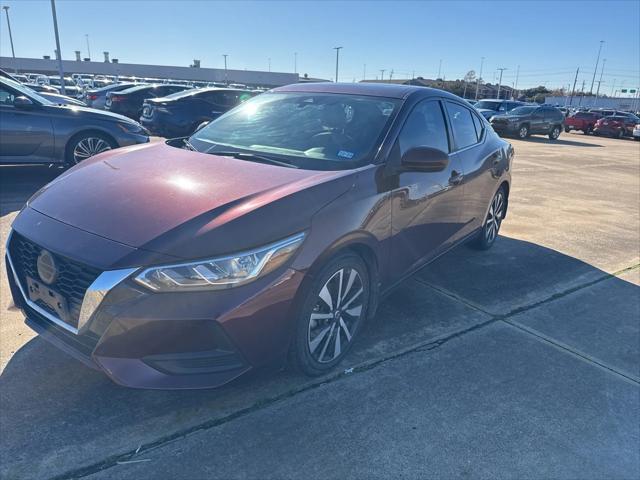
(387, 90)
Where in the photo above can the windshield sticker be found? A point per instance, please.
(345, 154)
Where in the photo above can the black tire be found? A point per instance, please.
(484, 240)
(620, 134)
(567, 129)
(589, 130)
(523, 131)
(74, 146)
(554, 133)
(302, 356)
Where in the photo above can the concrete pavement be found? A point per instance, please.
(518, 362)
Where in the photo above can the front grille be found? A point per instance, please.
(72, 281)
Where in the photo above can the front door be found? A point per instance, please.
(425, 206)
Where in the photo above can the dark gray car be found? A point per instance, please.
(35, 130)
(530, 120)
(490, 107)
(96, 97)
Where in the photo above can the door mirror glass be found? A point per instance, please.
(425, 159)
(23, 102)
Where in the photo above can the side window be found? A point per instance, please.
(425, 127)
(464, 131)
(6, 97)
(479, 126)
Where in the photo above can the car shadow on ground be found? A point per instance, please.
(560, 141)
(74, 416)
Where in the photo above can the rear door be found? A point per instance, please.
(538, 124)
(475, 157)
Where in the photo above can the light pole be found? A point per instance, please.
(269, 63)
(479, 77)
(515, 87)
(337, 49)
(502, 69)
(86, 36)
(13, 53)
(382, 70)
(55, 29)
(439, 70)
(226, 78)
(604, 60)
(593, 80)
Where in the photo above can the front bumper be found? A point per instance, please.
(505, 128)
(175, 340)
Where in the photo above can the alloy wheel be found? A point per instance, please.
(335, 316)
(555, 133)
(494, 217)
(522, 133)
(88, 147)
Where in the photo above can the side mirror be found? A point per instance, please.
(23, 102)
(425, 159)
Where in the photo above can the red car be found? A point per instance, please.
(270, 234)
(616, 126)
(584, 121)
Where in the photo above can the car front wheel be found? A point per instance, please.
(87, 145)
(554, 133)
(331, 315)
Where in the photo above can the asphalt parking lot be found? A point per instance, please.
(520, 362)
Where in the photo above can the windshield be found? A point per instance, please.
(311, 130)
(522, 110)
(488, 105)
(26, 91)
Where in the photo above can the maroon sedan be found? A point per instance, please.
(270, 234)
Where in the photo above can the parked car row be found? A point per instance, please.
(520, 119)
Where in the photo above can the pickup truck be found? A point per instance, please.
(584, 121)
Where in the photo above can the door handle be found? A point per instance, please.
(455, 178)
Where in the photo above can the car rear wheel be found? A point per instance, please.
(554, 133)
(87, 145)
(331, 315)
(523, 131)
(497, 209)
(567, 129)
(589, 130)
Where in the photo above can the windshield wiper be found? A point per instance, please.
(252, 157)
(188, 145)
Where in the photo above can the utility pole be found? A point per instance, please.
(479, 77)
(439, 69)
(13, 53)
(502, 69)
(58, 51)
(269, 62)
(295, 62)
(593, 80)
(582, 92)
(337, 49)
(604, 60)
(382, 70)
(515, 86)
(613, 86)
(86, 36)
(391, 74)
(573, 90)
(226, 78)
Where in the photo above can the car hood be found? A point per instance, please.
(88, 113)
(187, 204)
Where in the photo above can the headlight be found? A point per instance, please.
(132, 128)
(220, 273)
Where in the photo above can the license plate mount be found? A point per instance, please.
(39, 292)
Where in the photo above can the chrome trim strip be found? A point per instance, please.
(96, 292)
(92, 298)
